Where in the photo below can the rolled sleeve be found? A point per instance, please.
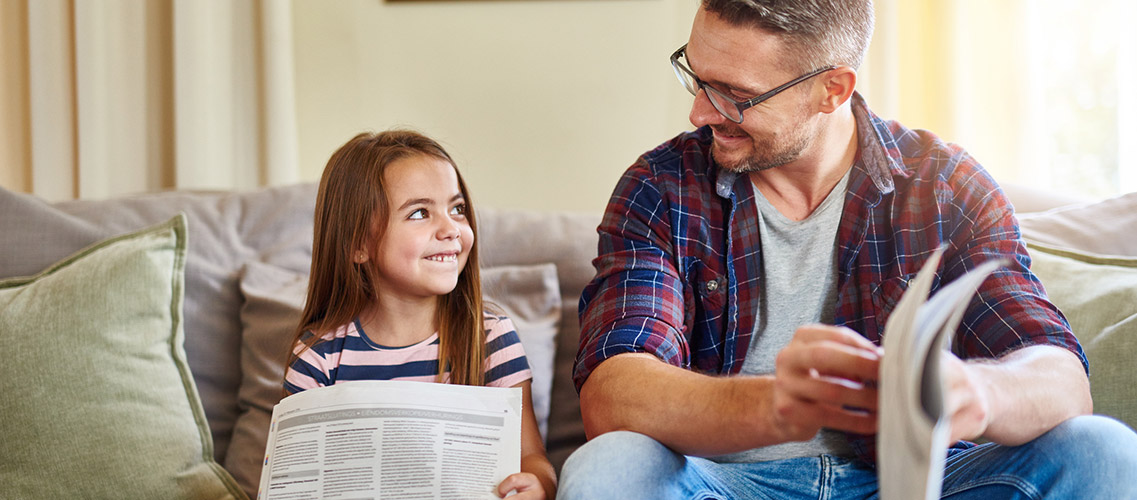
(636, 301)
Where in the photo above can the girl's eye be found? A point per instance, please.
(459, 209)
(418, 214)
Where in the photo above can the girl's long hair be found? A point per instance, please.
(351, 212)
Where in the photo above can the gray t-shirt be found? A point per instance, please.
(799, 272)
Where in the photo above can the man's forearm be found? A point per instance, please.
(691, 413)
(1031, 390)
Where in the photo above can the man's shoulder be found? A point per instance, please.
(928, 169)
(921, 152)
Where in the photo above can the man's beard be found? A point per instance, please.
(767, 154)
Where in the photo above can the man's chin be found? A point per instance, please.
(732, 163)
(728, 160)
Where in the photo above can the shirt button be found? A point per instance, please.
(712, 285)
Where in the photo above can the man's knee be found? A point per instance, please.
(1098, 454)
(617, 462)
(1097, 438)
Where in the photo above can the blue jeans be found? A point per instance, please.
(1085, 457)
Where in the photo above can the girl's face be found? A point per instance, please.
(428, 239)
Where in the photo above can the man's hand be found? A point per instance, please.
(968, 405)
(825, 377)
(1015, 398)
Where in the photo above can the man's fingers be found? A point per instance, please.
(832, 391)
(815, 332)
(829, 358)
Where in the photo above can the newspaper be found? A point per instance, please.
(392, 439)
(913, 438)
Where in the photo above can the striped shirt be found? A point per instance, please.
(679, 273)
(349, 354)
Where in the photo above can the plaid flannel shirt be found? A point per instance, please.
(679, 271)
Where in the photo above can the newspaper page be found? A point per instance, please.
(392, 440)
(913, 438)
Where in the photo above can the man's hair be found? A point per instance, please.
(817, 32)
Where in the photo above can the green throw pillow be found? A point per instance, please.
(1098, 294)
(98, 399)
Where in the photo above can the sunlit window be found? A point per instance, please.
(1041, 92)
(1082, 60)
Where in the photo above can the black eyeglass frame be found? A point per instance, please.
(681, 69)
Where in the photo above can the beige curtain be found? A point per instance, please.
(107, 97)
(959, 68)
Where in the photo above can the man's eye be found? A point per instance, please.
(418, 214)
(459, 209)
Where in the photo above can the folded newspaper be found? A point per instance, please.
(392, 439)
(913, 438)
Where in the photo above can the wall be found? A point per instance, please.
(543, 103)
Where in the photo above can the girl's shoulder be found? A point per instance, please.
(496, 324)
(331, 340)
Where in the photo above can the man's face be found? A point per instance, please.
(743, 62)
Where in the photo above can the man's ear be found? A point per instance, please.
(839, 84)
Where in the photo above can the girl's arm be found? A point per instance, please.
(536, 481)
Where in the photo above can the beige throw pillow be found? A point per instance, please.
(1108, 227)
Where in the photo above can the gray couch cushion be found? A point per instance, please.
(568, 240)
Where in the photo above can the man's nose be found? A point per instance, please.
(703, 112)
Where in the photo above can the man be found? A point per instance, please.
(709, 366)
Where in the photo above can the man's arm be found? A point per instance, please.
(1018, 397)
(815, 384)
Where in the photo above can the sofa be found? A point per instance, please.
(146, 334)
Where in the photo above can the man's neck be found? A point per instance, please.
(796, 189)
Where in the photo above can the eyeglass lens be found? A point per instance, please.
(722, 103)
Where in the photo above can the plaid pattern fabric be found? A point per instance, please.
(679, 271)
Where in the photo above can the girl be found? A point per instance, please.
(394, 291)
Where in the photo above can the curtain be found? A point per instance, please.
(108, 97)
(956, 68)
(1036, 90)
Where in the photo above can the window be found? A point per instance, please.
(1039, 91)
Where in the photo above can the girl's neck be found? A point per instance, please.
(397, 323)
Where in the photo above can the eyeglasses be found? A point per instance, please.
(726, 105)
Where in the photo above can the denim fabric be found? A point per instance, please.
(1085, 457)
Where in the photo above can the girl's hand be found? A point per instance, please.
(525, 484)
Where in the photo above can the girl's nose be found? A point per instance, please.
(449, 229)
